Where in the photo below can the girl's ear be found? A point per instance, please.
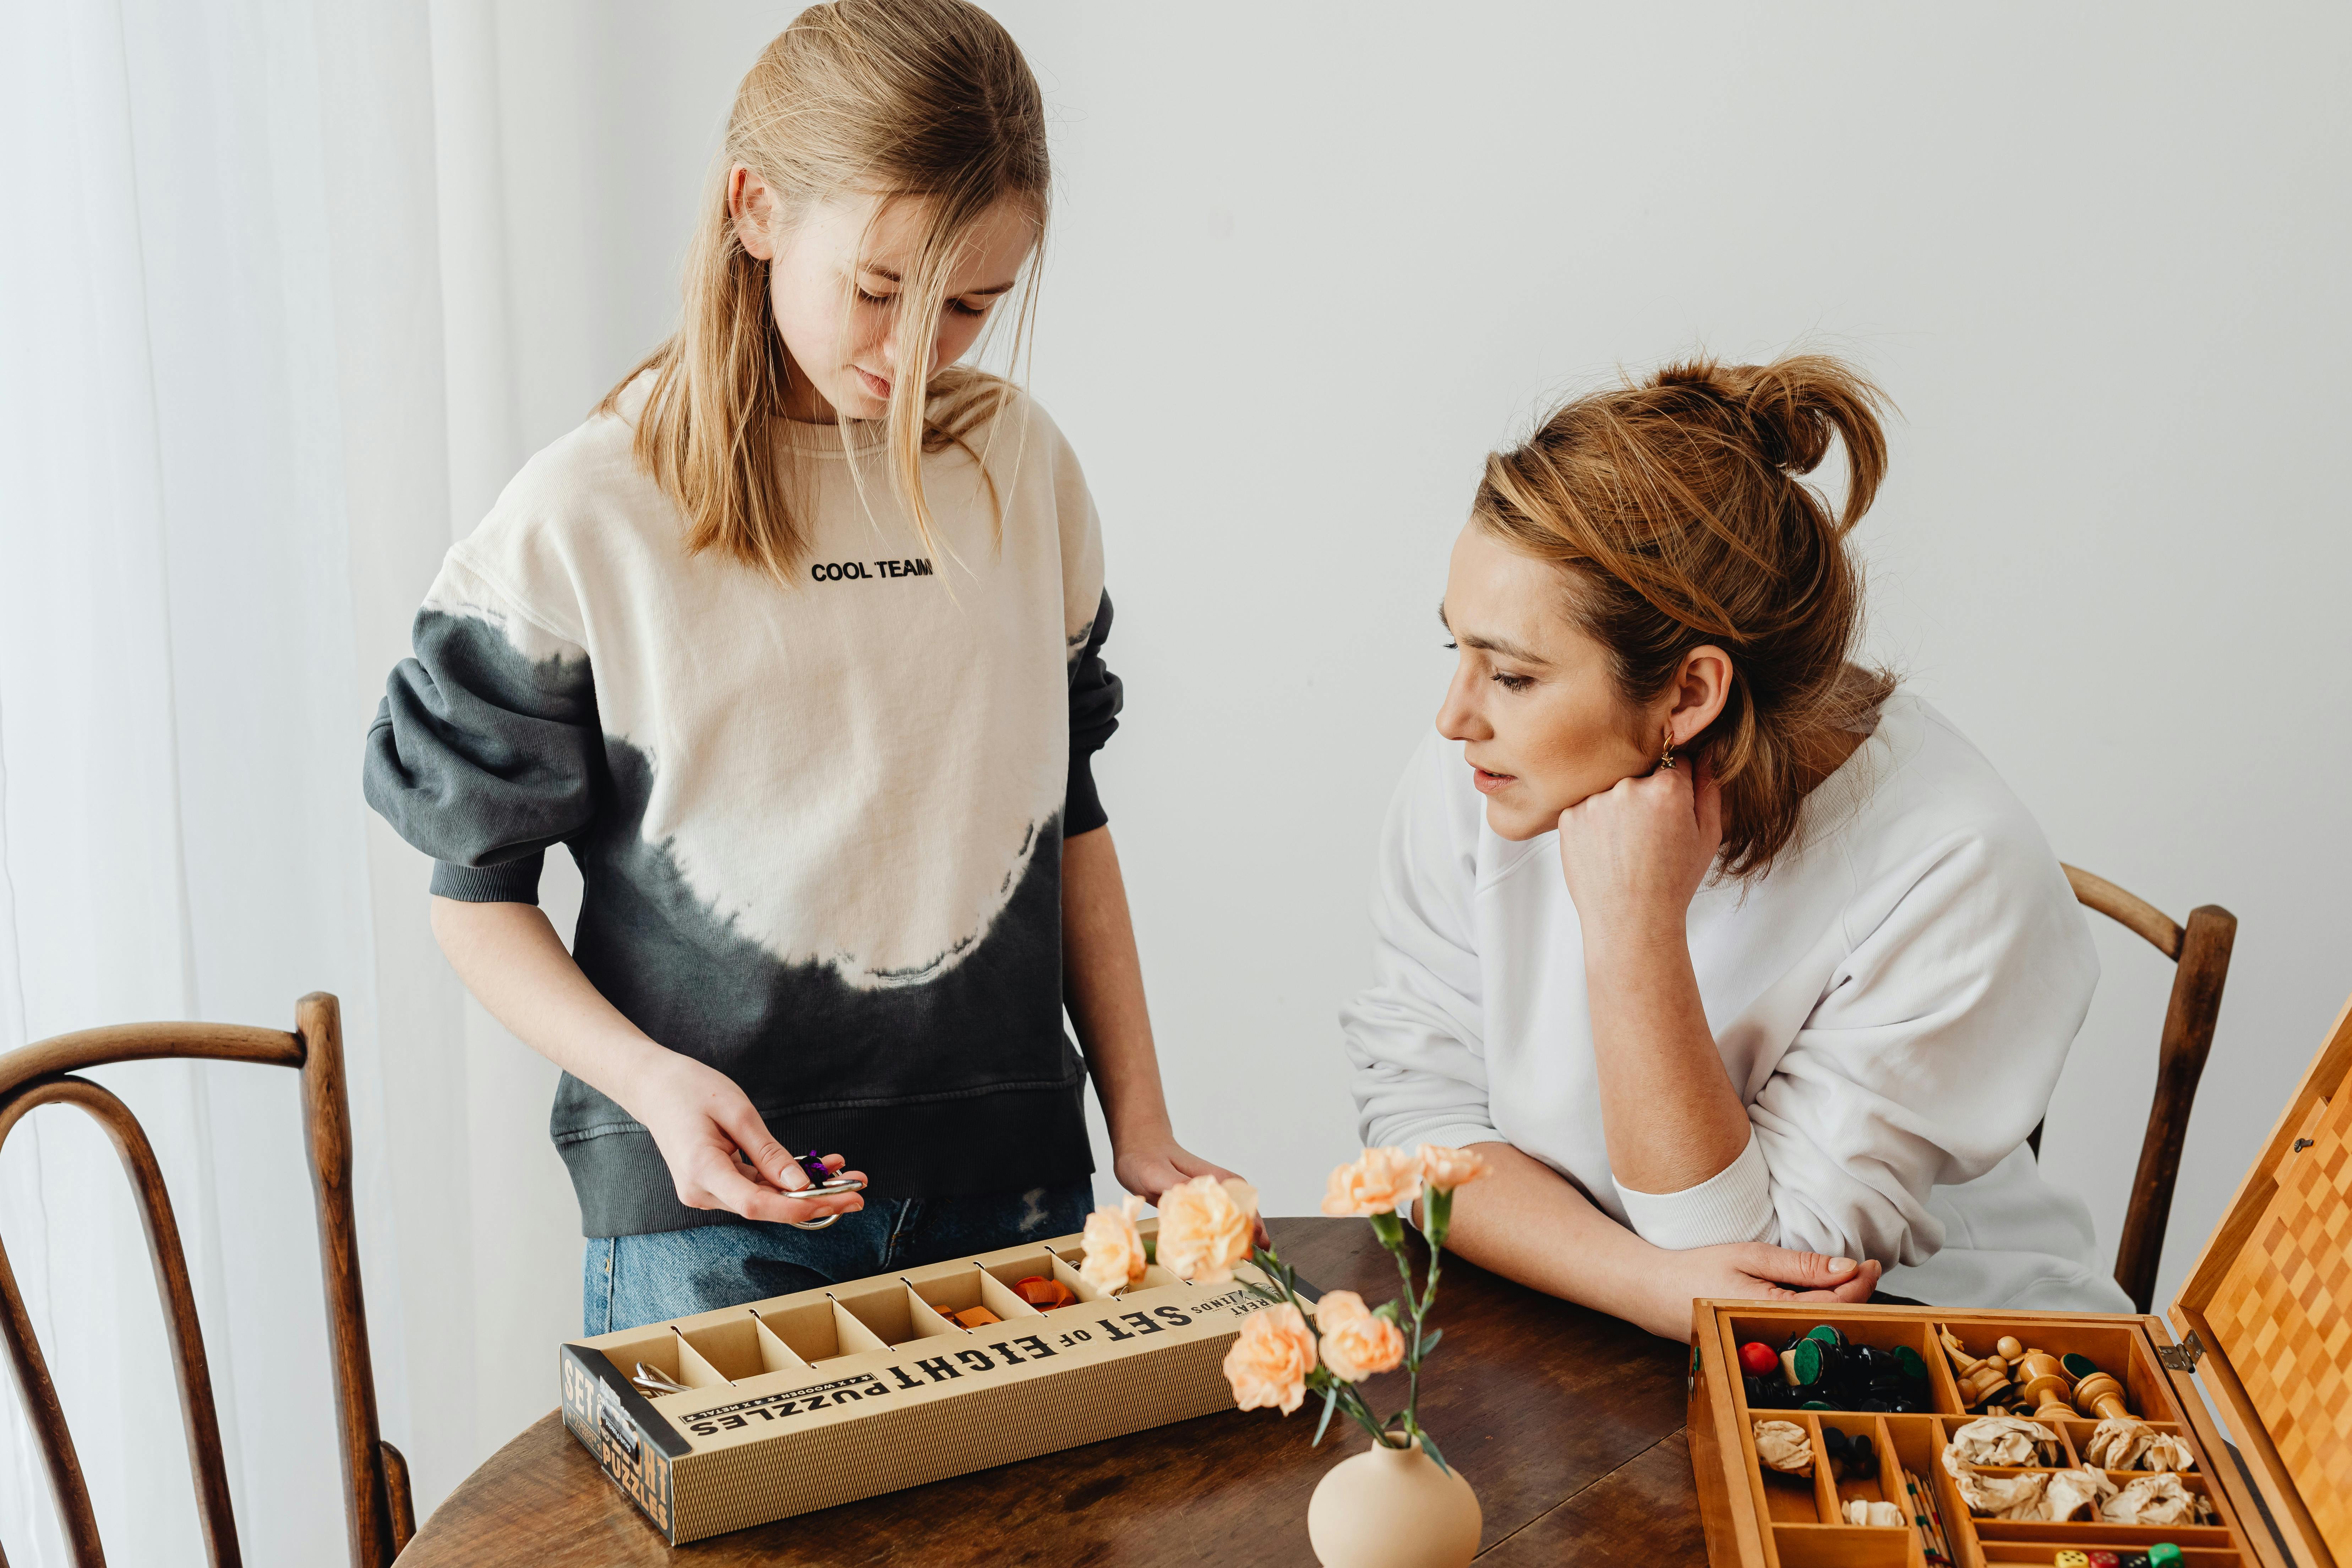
(751, 203)
(1701, 689)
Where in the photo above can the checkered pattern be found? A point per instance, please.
(2283, 1314)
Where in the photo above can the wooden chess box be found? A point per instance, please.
(825, 1396)
(2266, 1317)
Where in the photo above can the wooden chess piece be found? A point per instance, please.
(2100, 1394)
(2044, 1385)
(1987, 1382)
(2011, 1349)
(1980, 1380)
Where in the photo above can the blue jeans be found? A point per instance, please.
(630, 1280)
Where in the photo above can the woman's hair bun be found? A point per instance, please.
(1791, 409)
(1676, 505)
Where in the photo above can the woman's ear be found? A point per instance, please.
(1700, 689)
(752, 204)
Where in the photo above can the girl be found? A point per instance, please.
(1745, 965)
(796, 646)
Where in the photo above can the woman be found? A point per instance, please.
(1745, 967)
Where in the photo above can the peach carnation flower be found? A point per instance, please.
(1446, 1169)
(1205, 1227)
(1356, 1342)
(1114, 1247)
(1270, 1360)
(1384, 1181)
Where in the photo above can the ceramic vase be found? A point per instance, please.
(1393, 1507)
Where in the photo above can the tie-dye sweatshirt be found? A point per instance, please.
(820, 826)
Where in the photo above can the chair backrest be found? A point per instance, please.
(2200, 954)
(377, 1501)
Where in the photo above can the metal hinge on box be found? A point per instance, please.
(2184, 1356)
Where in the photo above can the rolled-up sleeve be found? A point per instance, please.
(485, 747)
(1414, 1037)
(1929, 1058)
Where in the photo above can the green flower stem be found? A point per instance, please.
(1419, 1302)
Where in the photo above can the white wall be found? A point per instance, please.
(1310, 263)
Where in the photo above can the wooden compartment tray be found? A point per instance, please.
(2267, 1319)
(1756, 1516)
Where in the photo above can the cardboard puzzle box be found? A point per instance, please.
(829, 1396)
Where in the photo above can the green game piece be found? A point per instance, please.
(2162, 1553)
(1908, 1360)
(1826, 1335)
(1805, 1361)
(1816, 1405)
(2078, 1367)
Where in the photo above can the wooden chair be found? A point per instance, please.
(2200, 950)
(378, 1506)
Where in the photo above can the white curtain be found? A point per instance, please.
(242, 399)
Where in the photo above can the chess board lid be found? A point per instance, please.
(2267, 1314)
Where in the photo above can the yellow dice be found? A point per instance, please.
(2073, 1559)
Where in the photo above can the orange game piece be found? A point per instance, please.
(976, 1317)
(1043, 1293)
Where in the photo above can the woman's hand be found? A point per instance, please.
(1636, 855)
(1150, 1168)
(719, 1153)
(1752, 1270)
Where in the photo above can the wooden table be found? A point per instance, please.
(1568, 1423)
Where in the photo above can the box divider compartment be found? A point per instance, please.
(776, 1354)
(1909, 1450)
(998, 1298)
(693, 1370)
(805, 1328)
(1840, 1546)
(1868, 1487)
(2069, 1457)
(926, 1319)
(1959, 1522)
(1759, 1494)
(657, 1347)
(850, 1332)
(730, 1347)
(1784, 1496)
(1073, 1278)
(1825, 1486)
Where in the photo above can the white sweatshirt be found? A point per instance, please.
(1893, 1001)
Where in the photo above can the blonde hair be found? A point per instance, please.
(1677, 511)
(926, 100)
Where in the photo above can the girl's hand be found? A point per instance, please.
(1634, 854)
(719, 1153)
(1751, 1270)
(1150, 1169)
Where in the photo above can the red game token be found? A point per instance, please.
(1758, 1358)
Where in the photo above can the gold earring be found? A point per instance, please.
(1666, 755)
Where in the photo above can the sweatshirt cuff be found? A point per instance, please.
(1451, 1135)
(1082, 807)
(1733, 1204)
(511, 882)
